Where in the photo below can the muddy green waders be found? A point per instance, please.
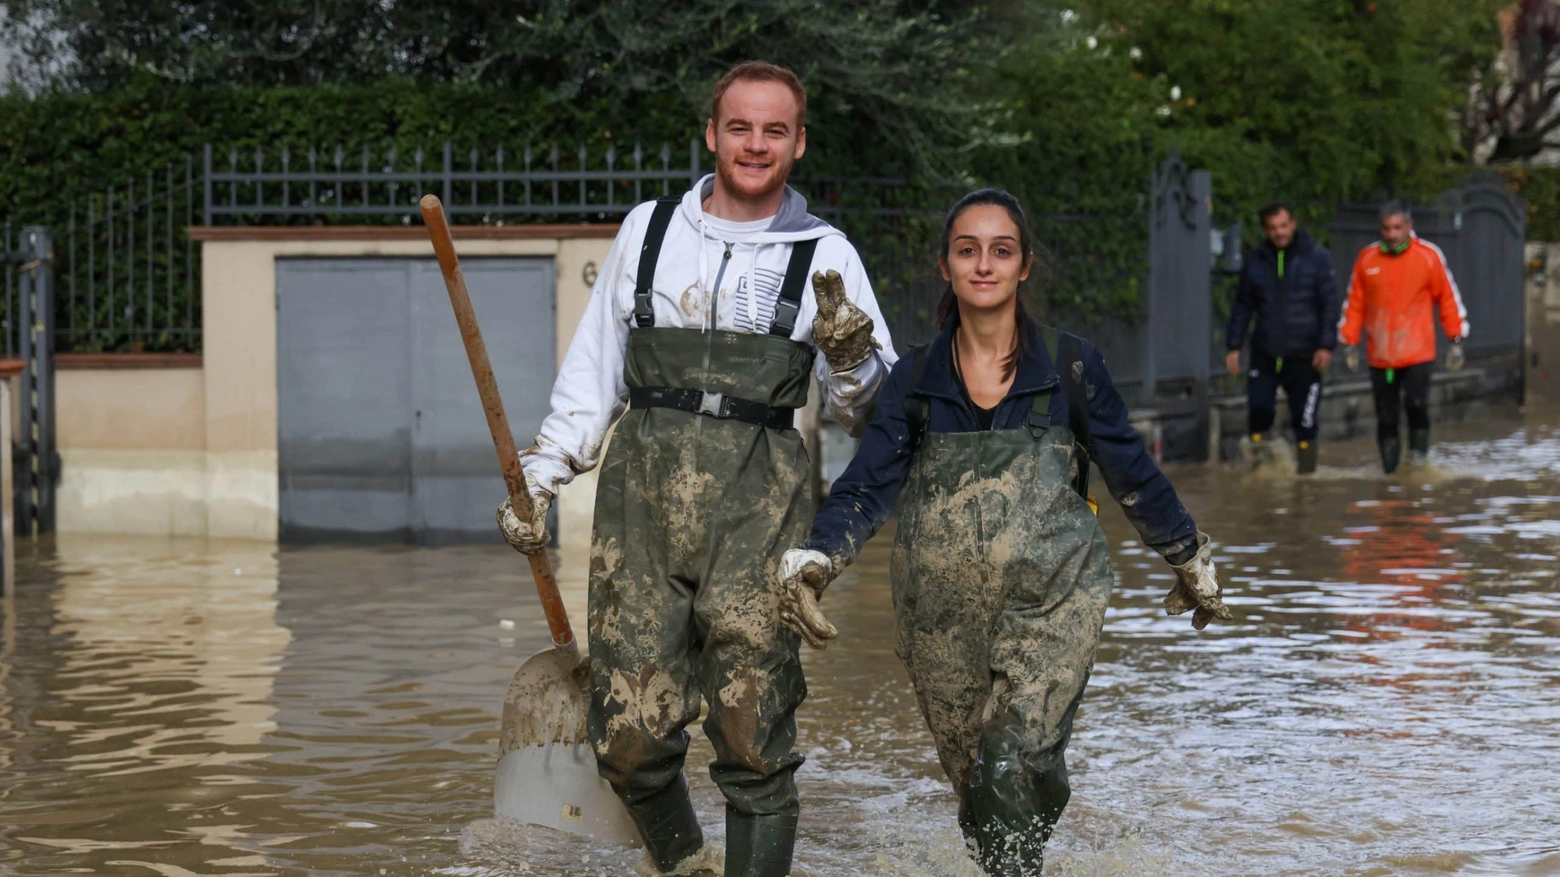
(1001, 576)
(703, 488)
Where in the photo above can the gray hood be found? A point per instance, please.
(793, 223)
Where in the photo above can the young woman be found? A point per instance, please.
(1000, 571)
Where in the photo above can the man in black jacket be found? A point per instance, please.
(1287, 283)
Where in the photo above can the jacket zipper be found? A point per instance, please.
(720, 274)
(1012, 395)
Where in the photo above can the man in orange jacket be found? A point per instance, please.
(1397, 281)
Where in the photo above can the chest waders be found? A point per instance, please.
(1001, 576)
(703, 487)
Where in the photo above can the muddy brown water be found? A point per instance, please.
(1387, 703)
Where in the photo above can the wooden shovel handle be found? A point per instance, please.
(493, 406)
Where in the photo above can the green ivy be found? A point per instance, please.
(1540, 188)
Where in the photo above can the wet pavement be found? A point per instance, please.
(1388, 701)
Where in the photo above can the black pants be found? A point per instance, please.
(1302, 385)
(1407, 390)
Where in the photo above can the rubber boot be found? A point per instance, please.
(1260, 451)
(1391, 452)
(668, 825)
(759, 846)
(1305, 456)
(1009, 810)
(1418, 447)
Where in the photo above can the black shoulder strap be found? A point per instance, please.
(1068, 356)
(917, 409)
(789, 304)
(1038, 420)
(649, 255)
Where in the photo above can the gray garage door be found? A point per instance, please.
(382, 437)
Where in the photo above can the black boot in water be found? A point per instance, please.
(1009, 810)
(759, 846)
(668, 825)
(1419, 446)
(1391, 452)
(1306, 456)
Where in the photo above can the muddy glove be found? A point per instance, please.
(527, 536)
(803, 576)
(1454, 356)
(841, 330)
(1197, 587)
(1351, 358)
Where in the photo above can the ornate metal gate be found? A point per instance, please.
(1177, 326)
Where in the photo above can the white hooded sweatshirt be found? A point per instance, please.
(697, 287)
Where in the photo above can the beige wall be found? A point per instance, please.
(194, 451)
(132, 450)
(576, 500)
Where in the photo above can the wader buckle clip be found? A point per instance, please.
(713, 404)
(1037, 424)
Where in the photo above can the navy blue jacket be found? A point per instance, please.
(864, 497)
(1297, 314)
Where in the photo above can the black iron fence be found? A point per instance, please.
(129, 275)
(283, 187)
(118, 270)
(126, 273)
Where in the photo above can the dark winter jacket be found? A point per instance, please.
(863, 498)
(1296, 311)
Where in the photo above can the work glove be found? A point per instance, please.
(1351, 358)
(1454, 356)
(804, 574)
(1197, 587)
(842, 331)
(527, 535)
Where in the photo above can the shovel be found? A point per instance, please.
(546, 769)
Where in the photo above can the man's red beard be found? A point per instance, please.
(735, 181)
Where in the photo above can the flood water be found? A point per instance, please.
(1388, 701)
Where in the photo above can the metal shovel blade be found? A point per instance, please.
(546, 770)
(557, 786)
